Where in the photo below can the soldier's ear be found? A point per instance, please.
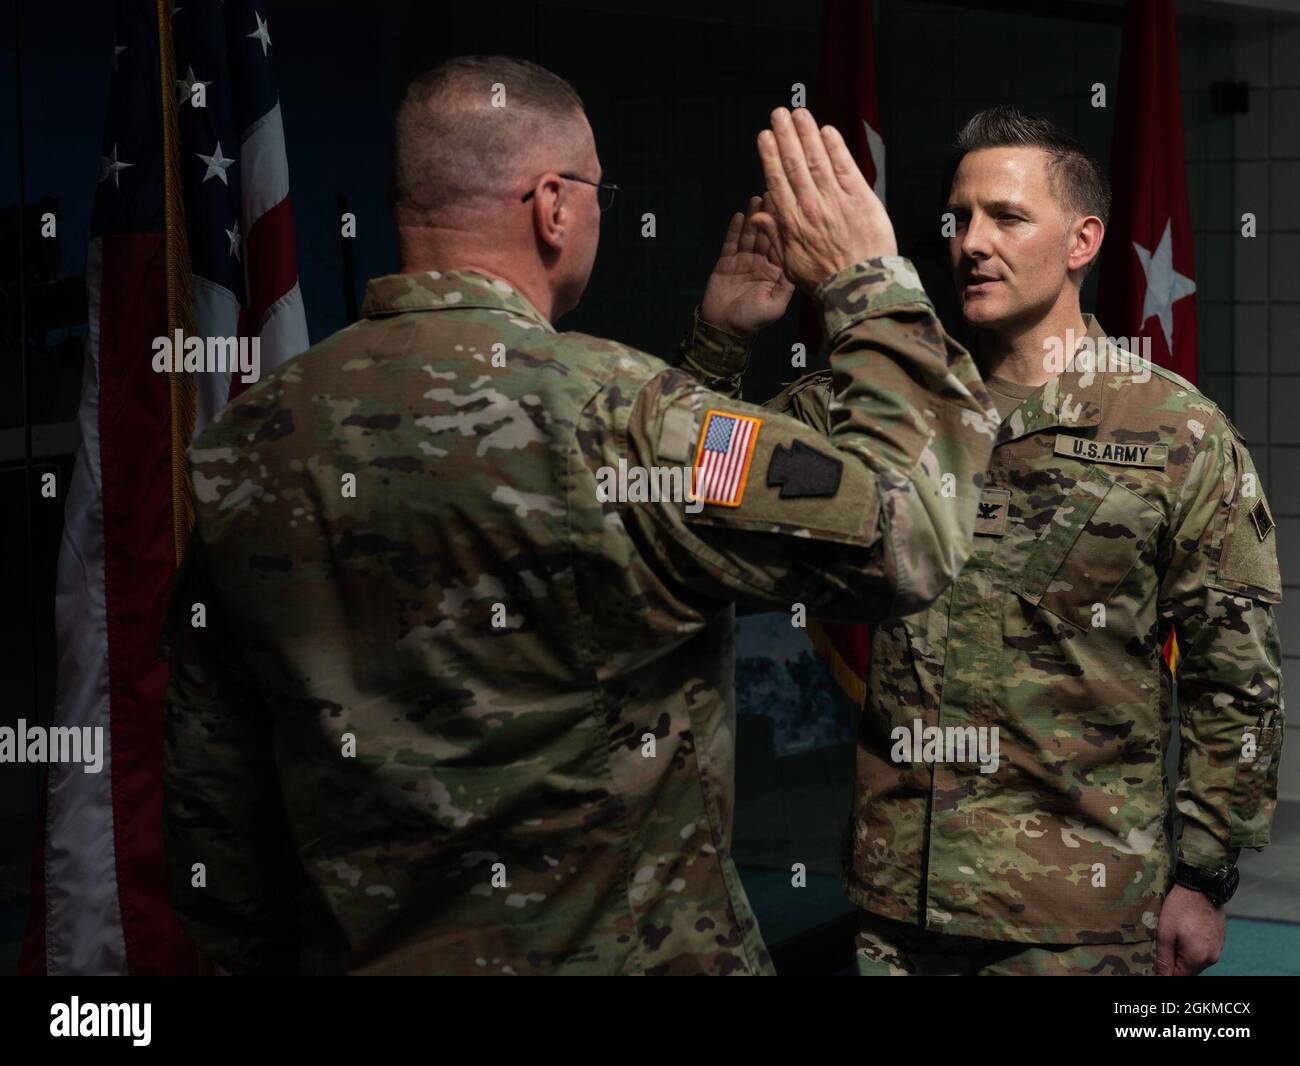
(550, 211)
(1086, 235)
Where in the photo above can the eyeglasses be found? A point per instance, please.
(604, 191)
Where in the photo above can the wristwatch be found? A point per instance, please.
(1218, 885)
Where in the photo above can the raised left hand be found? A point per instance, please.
(1190, 933)
(747, 290)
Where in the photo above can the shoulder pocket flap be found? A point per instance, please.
(1248, 560)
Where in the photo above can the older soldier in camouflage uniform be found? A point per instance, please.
(455, 708)
(1120, 505)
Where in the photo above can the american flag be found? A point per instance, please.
(722, 462)
(192, 230)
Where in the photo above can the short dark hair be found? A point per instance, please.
(1076, 178)
(452, 141)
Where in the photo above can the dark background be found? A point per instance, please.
(676, 93)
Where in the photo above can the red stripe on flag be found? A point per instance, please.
(273, 271)
(730, 461)
(272, 259)
(139, 564)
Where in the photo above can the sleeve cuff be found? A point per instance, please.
(868, 288)
(1197, 847)
(715, 351)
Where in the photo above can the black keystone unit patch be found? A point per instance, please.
(803, 471)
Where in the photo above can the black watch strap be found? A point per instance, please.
(1219, 885)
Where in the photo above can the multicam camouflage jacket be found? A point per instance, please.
(1119, 505)
(464, 699)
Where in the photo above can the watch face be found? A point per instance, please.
(1230, 882)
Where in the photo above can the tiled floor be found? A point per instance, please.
(1270, 879)
(1259, 949)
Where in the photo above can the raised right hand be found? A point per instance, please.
(748, 289)
(819, 211)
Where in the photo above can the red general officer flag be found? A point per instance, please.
(1147, 273)
(846, 85)
(1148, 269)
(846, 99)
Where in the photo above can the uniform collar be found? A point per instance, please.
(1072, 400)
(445, 290)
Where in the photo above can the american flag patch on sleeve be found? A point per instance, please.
(722, 458)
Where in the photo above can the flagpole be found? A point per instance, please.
(180, 307)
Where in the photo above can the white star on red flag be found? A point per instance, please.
(1165, 286)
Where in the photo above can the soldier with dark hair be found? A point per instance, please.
(1120, 505)
(458, 710)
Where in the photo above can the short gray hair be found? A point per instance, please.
(451, 145)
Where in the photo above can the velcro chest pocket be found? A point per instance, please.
(1094, 541)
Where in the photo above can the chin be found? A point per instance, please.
(982, 312)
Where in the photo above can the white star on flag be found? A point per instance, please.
(110, 167)
(185, 85)
(217, 164)
(876, 145)
(233, 234)
(261, 33)
(1165, 286)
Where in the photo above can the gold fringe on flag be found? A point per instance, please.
(180, 282)
(854, 687)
